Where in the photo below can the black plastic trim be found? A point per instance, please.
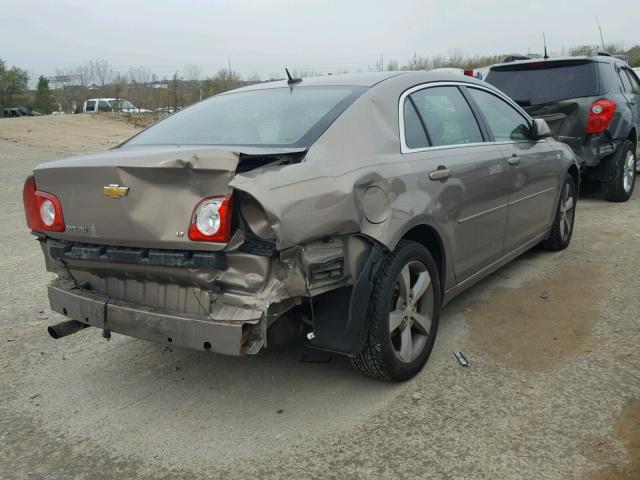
(138, 256)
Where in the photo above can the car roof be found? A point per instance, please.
(352, 80)
(579, 58)
(368, 80)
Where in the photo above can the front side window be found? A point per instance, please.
(272, 117)
(121, 105)
(505, 122)
(446, 116)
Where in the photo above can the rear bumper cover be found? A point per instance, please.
(148, 323)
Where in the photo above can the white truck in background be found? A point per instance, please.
(94, 105)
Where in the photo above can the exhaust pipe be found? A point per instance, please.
(65, 328)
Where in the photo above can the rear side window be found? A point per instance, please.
(446, 116)
(635, 83)
(505, 122)
(414, 134)
(626, 81)
(104, 106)
(546, 82)
(91, 105)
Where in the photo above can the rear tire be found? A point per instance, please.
(562, 229)
(403, 315)
(621, 169)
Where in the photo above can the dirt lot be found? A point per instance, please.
(67, 133)
(553, 391)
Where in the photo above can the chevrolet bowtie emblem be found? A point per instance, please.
(115, 191)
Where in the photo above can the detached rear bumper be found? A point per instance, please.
(183, 330)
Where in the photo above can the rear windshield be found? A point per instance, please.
(545, 82)
(273, 117)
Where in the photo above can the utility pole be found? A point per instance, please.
(229, 61)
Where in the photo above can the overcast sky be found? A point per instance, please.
(264, 36)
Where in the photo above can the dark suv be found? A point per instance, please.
(592, 103)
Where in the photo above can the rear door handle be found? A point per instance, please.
(441, 174)
(514, 160)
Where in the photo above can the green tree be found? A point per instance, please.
(634, 56)
(13, 81)
(224, 80)
(43, 102)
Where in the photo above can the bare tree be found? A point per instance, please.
(192, 74)
(119, 85)
(101, 72)
(140, 79)
(174, 90)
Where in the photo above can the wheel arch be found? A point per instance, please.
(430, 238)
(574, 171)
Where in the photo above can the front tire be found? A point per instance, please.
(403, 315)
(622, 173)
(562, 229)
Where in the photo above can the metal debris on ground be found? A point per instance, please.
(461, 359)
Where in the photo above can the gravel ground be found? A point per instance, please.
(553, 391)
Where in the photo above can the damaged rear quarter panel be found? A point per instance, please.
(326, 194)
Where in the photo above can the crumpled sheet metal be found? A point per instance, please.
(325, 194)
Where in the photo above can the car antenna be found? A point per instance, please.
(291, 80)
(544, 41)
(601, 37)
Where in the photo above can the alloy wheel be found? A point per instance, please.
(629, 172)
(411, 313)
(567, 212)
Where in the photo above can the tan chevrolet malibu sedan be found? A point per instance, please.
(348, 209)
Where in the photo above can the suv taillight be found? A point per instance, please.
(600, 115)
(42, 209)
(211, 220)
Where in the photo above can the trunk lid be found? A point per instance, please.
(149, 197)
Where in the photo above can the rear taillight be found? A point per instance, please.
(469, 73)
(600, 115)
(42, 209)
(211, 220)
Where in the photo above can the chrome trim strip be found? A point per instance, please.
(486, 212)
(531, 196)
(403, 144)
(446, 147)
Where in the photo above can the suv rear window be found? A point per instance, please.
(546, 82)
(271, 117)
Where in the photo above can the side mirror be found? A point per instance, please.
(541, 129)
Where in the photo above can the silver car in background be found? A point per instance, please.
(348, 208)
